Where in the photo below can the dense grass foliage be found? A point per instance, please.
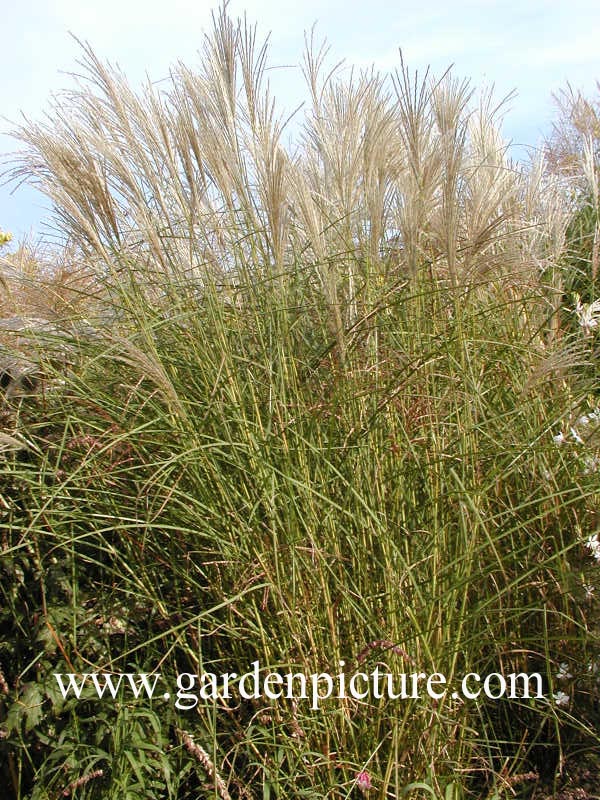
(322, 407)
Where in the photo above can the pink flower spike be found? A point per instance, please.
(363, 781)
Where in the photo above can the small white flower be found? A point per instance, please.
(583, 420)
(589, 591)
(576, 436)
(563, 673)
(587, 314)
(591, 465)
(593, 545)
(561, 699)
(560, 438)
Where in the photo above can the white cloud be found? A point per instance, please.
(582, 49)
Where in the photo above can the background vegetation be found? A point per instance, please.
(302, 404)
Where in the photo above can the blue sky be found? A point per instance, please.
(531, 46)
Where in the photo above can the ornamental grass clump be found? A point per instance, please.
(313, 427)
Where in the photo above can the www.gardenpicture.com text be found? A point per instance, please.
(315, 687)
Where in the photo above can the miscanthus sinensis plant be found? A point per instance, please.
(311, 421)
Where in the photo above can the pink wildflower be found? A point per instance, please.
(363, 781)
